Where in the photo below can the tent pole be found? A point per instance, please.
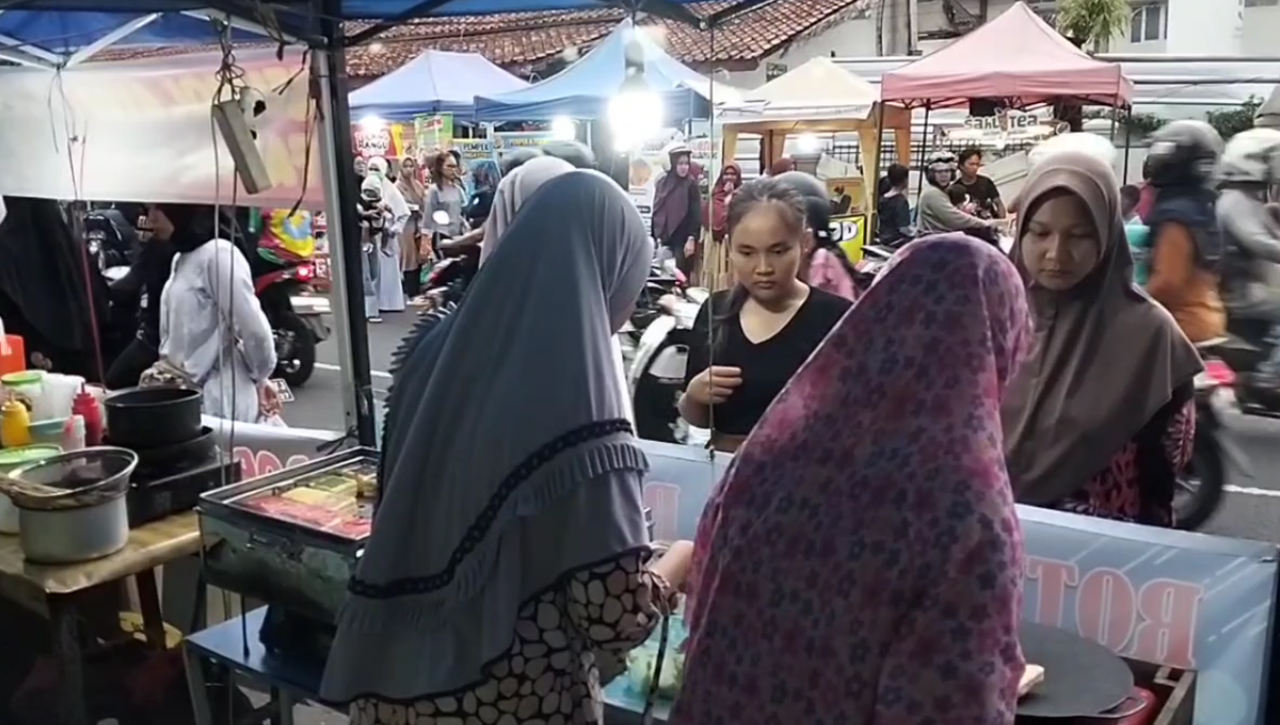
(924, 140)
(337, 163)
(1128, 145)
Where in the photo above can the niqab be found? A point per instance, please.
(507, 408)
(1106, 359)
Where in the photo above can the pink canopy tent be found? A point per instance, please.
(1016, 56)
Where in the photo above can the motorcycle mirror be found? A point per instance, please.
(440, 216)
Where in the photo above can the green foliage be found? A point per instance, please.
(1234, 120)
(1093, 22)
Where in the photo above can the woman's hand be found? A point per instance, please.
(714, 385)
(674, 565)
(269, 400)
(690, 247)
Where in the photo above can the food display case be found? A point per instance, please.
(292, 538)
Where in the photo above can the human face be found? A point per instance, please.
(450, 167)
(1061, 244)
(969, 169)
(362, 167)
(158, 225)
(407, 167)
(766, 251)
(682, 166)
(943, 177)
(731, 178)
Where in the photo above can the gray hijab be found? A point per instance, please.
(508, 409)
(512, 192)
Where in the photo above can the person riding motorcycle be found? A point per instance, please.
(1248, 171)
(1186, 247)
(935, 211)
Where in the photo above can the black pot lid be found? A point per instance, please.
(1081, 677)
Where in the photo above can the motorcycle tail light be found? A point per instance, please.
(304, 272)
(1219, 372)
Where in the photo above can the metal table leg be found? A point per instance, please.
(194, 666)
(149, 600)
(65, 633)
(283, 702)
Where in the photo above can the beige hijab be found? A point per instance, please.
(512, 192)
(1107, 358)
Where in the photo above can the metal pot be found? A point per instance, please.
(153, 416)
(72, 507)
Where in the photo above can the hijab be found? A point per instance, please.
(671, 196)
(1106, 356)
(192, 225)
(506, 413)
(391, 196)
(860, 560)
(718, 214)
(513, 191)
(782, 166)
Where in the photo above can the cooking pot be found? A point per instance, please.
(153, 416)
(11, 459)
(72, 506)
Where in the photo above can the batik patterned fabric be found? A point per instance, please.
(861, 561)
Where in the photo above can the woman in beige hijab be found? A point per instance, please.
(1099, 420)
(415, 195)
(513, 191)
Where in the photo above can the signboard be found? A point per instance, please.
(371, 139)
(1005, 127)
(1181, 599)
(433, 132)
(774, 70)
(850, 232)
(139, 130)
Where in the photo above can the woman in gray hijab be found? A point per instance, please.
(509, 553)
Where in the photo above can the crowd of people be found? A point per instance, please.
(861, 560)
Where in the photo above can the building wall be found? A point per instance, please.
(851, 38)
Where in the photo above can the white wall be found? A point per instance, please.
(852, 37)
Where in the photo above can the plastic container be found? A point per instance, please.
(73, 434)
(13, 354)
(59, 393)
(12, 459)
(15, 425)
(47, 432)
(26, 387)
(90, 411)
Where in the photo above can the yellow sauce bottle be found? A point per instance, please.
(15, 425)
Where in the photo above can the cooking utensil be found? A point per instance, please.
(160, 458)
(1082, 678)
(153, 416)
(12, 459)
(71, 507)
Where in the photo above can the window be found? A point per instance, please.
(1260, 3)
(1147, 23)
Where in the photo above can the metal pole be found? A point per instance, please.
(924, 139)
(338, 163)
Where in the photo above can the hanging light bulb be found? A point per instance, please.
(635, 111)
(563, 128)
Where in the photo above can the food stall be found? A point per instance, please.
(817, 97)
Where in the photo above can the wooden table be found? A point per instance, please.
(51, 591)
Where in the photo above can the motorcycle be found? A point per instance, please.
(449, 277)
(1200, 487)
(656, 369)
(297, 317)
(1242, 351)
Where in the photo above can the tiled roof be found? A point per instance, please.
(523, 41)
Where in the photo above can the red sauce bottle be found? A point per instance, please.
(86, 406)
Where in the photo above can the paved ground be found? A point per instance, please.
(1252, 508)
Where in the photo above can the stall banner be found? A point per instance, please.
(1181, 599)
(433, 132)
(388, 140)
(263, 449)
(140, 130)
(850, 232)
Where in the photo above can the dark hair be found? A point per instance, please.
(969, 153)
(897, 175)
(517, 158)
(958, 194)
(436, 169)
(575, 152)
(765, 190)
(1130, 195)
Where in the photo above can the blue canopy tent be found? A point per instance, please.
(583, 89)
(57, 33)
(438, 81)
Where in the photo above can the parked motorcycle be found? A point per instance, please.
(1201, 485)
(298, 319)
(452, 274)
(656, 369)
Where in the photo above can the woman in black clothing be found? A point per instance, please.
(894, 214)
(754, 337)
(677, 210)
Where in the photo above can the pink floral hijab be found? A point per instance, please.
(861, 562)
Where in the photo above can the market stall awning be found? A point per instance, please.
(437, 81)
(1016, 56)
(817, 90)
(583, 89)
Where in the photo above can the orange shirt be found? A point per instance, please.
(1187, 291)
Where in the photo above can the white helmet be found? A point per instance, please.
(940, 161)
(1251, 157)
(1081, 142)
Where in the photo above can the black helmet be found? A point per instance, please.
(1184, 153)
(817, 202)
(516, 158)
(575, 152)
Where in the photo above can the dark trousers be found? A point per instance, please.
(129, 366)
(683, 263)
(412, 283)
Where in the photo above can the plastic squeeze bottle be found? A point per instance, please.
(15, 425)
(86, 406)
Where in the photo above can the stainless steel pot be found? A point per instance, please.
(72, 507)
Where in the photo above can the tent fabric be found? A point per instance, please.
(583, 89)
(1016, 56)
(817, 90)
(437, 81)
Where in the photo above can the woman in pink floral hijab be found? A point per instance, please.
(861, 562)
